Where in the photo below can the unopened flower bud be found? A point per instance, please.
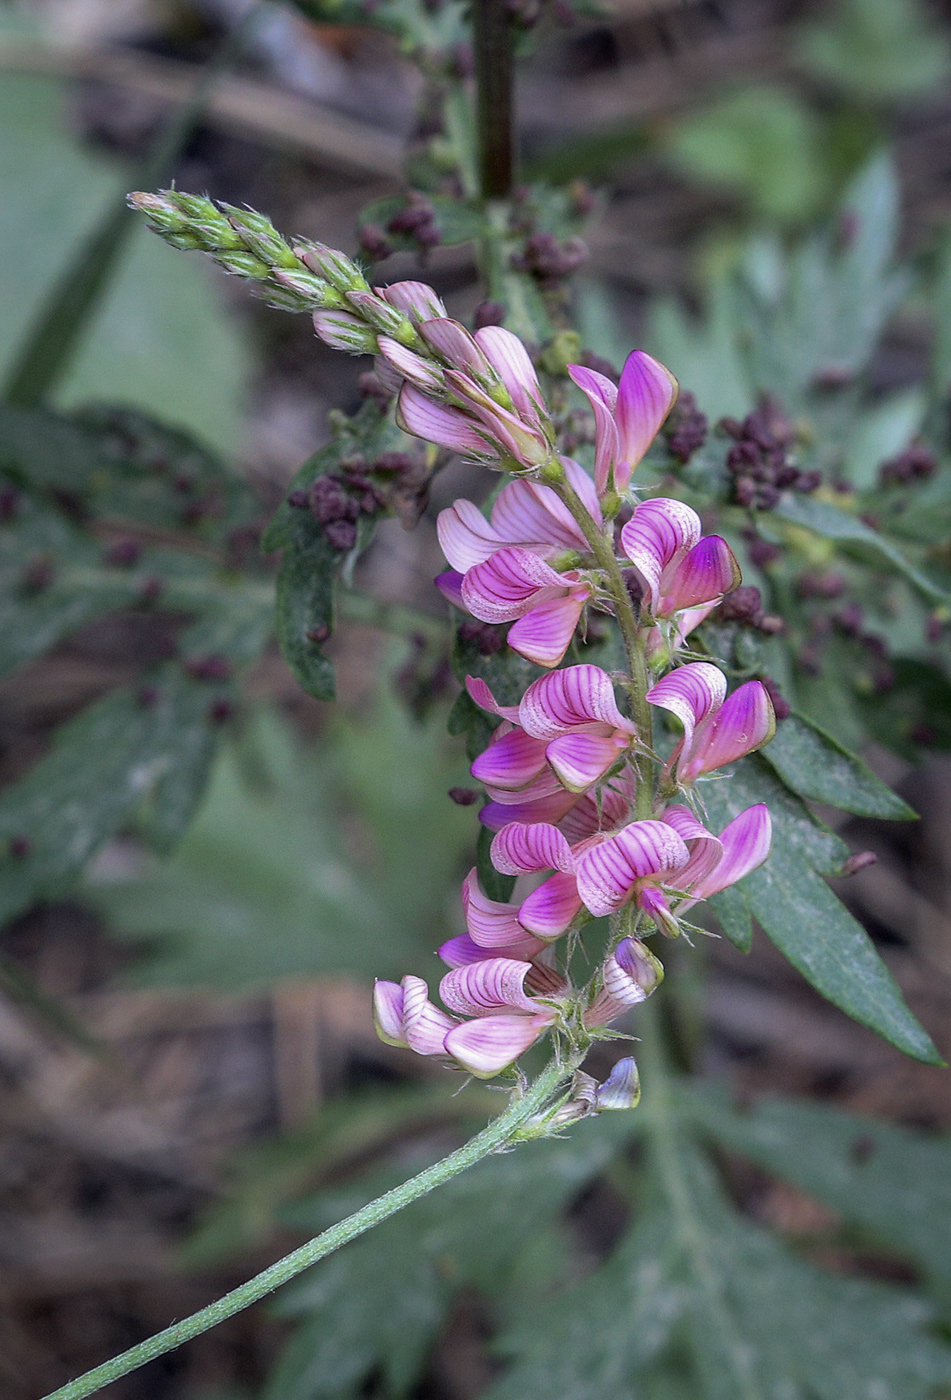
(335, 267)
(621, 1090)
(259, 235)
(383, 317)
(860, 860)
(342, 331)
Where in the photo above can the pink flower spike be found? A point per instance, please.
(691, 693)
(549, 911)
(417, 299)
(511, 361)
(602, 395)
(450, 586)
(510, 584)
(610, 872)
(511, 761)
(658, 536)
(544, 634)
(578, 695)
(707, 573)
(521, 848)
(419, 416)
(453, 343)
(488, 922)
(483, 697)
(491, 1043)
(646, 394)
(746, 844)
(744, 723)
(423, 373)
(579, 760)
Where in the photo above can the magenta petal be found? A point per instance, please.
(450, 586)
(423, 373)
(591, 814)
(508, 584)
(646, 395)
(511, 761)
(746, 844)
(521, 848)
(417, 299)
(658, 535)
(630, 973)
(486, 1046)
(708, 572)
(423, 418)
(487, 987)
(549, 910)
(544, 786)
(458, 952)
(602, 395)
(705, 849)
(424, 1025)
(692, 693)
(528, 445)
(511, 361)
(653, 901)
(555, 808)
(388, 1012)
(608, 872)
(465, 536)
(490, 923)
(579, 760)
(456, 346)
(556, 704)
(483, 697)
(530, 514)
(744, 723)
(544, 634)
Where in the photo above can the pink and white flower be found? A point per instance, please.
(627, 417)
(404, 1016)
(503, 996)
(678, 569)
(716, 730)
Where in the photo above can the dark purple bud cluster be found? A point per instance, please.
(374, 244)
(396, 482)
(123, 554)
(758, 461)
(762, 552)
(685, 429)
(548, 258)
(416, 221)
(597, 362)
(488, 638)
(745, 607)
(825, 585)
(488, 313)
(463, 796)
(849, 622)
(916, 463)
(575, 428)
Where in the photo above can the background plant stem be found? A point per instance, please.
(500, 1131)
(492, 33)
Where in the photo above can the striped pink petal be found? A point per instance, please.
(423, 373)
(489, 923)
(509, 584)
(554, 808)
(513, 435)
(579, 760)
(420, 416)
(450, 586)
(418, 300)
(530, 514)
(744, 723)
(746, 844)
(708, 572)
(465, 536)
(549, 910)
(544, 786)
(692, 693)
(487, 988)
(424, 1025)
(591, 814)
(657, 537)
(645, 396)
(460, 951)
(602, 395)
(653, 901)
(609, 871)
(706, 850)
(483, 697)
(343, 331)
(490, 1044)
(453, 343)
(512, 363)
(523, 848)
(387, 375)
(388, 1012)
(511, 761)
(578, 695)
(544, 633)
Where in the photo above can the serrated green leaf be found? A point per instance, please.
(803, 917)
(816, 766)
(834, 524)
(893, 1183)
(103, 767)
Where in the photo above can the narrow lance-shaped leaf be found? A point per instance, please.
(816, 766)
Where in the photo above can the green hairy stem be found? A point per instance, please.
(501, 1132)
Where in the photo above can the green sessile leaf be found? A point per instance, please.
(802, 916)
(816, 766)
